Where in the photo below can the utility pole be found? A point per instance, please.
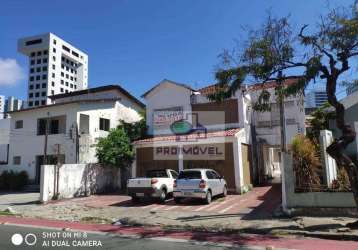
(282, 112)
(46, 138)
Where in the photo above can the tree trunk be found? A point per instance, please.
(336, 149)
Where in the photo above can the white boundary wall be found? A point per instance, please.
(77, 180)
(290, 199)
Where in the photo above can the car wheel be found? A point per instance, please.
(163, 195)
(177, 200)
(225, 191)
(135, 199)
(208, 197)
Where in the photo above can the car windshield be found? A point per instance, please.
(157, 173)
(190, 175)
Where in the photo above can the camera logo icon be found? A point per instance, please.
(30, 239)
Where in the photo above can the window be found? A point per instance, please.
(32, 42)
(53, 75)
(38, 78)
(52, 92)
(44, 85)
(66, 48)
(61, 90)
(75, 87)
(66, 84)
(209, 175)
(62, 66)
(39, 53)
(71, 85)
(53, 66)
(54, 41)
(31, 78)
(75, 54)
(66, 76)
(54, 58)
(31, 87)
(37, 94)
(44, 60)
(53, 84)
(44, 77)
(56, 124)
(45, 52)
(104, 124)
(43, 102)
(38, 61)
(31, 95)
(190, 174)
(37, 103)
(19, 124)
(16, 160)
(32, 70)
(33, 54)
(44, 68)
(31, 104)
(62, 74)
(71, 78)
(62, 82)
(66, 91)
(43, 94)
(37, 86)
(32, 62)
(174, 174)
(38, 69)
(54, 50)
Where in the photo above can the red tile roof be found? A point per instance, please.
(211, 89)
(222, 133)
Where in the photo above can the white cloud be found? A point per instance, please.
(10, 71)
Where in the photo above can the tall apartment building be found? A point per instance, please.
(351, 88)
(2, 106)
(55, 67)
(315, 98)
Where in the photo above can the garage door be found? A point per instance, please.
(223, 167)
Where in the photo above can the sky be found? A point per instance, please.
(138, 43)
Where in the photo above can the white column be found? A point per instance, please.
(238, 168)
(326, 138)
(180, 158)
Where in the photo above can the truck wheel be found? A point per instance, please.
(163, 196)
(177, 200)
(135, 198)
(208, 197)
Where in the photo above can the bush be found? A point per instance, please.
(306, 163)
(13, 181)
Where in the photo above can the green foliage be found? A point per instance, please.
(306, 163)
(320, 121)
(13, 181)
(115, 149)
(228, 82)
(134, 131)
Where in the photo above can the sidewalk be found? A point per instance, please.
(299, 243)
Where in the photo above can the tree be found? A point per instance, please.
(320, 121)
(325, 53)
(115, 150)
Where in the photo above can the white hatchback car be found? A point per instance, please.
(199, 183)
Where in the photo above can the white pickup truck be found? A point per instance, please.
(155, 184)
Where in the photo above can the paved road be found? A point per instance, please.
(108, 242)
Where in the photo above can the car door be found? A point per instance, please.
(218, 182)
(210, 181)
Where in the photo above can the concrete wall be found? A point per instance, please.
(78, 180)
(291, 200)
(4, 139)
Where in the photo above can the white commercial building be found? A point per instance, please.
(2, 106)
(55, 67)
(315, 98)
(75, 121)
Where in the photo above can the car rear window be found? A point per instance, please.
(157, 173)
(190, 175)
